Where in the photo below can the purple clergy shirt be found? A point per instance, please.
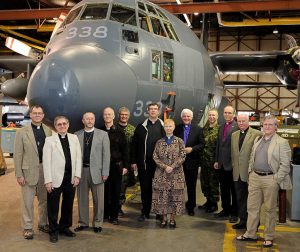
(226, 130)
(186, 132)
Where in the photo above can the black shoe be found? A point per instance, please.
(191, 212)
(97, 229)
(142, 218)
(172, 224)
(121, 213)
(53, 238)
(222, 215)
(163, 223)
(115, 222)
(233, 219)
(211, 209)
(239, 226)
(44, 228)
(80, 228)
(204, 206)
(67, 232)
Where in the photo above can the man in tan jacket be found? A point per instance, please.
(241, 146)
(269, 170)
(28, 156)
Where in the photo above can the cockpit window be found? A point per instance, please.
(143, 21)
(157, 27)
(72, 15)
(161, 14)
(123, 15)
(168, 67)
(95, 11)
(151, 10)
(171, 32)
(141, 6)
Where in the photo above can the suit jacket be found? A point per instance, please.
(195, 140)
(240, 158)
(223, 150)
(54, 159)
(26, 156)
(279, 157)
(100, 154)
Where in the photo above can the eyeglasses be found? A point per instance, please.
(269, 124)
(123, 114)
(61, 124)
(37, 113)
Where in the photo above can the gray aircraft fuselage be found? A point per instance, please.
(91, 63)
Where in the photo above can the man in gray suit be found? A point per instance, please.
(269, 169)
(28, 156)
(223, 163)
(241, 146)
(95, 148)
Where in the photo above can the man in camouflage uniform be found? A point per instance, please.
(209, 176)
(127, 179)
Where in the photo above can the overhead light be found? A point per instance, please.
(185, 15)
(275, 31)
(196, 13)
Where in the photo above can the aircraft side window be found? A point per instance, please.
(171, 32)
(123, 15)
(130, 36)
(95, 11)
(72, 15)
(143, 21)
(156, 65)
(157, 27)
(151, 10)
(141, 6)
(168, 67)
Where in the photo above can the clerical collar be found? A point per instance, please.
(36, 126)
(245, 131)
(90, 130)
(227, 123)
(153, 122)
(62, 136)
(122, 124)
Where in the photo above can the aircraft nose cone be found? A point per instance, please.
(81, 78)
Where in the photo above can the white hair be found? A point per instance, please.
(187, 111)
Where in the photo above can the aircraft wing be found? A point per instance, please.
(16, 63)
(280, 63)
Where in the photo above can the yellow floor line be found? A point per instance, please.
(229, 237)
(229, 244)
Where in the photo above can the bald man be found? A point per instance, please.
(241, 146)
(118, 166)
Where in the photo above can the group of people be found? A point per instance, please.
(246, 166)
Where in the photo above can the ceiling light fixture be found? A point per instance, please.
(275, 31)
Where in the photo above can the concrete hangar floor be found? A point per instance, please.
(197, 233)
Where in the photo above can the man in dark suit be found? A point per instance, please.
(192, 136)
(224, 164)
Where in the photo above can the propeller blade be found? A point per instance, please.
(21, 48)
(60, 20)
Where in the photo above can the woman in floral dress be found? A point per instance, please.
(168, 182)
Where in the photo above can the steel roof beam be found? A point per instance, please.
(242, 6)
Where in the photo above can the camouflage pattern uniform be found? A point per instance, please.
(209, 177)
(128, 179)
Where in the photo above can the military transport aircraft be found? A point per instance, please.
(124, 53)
